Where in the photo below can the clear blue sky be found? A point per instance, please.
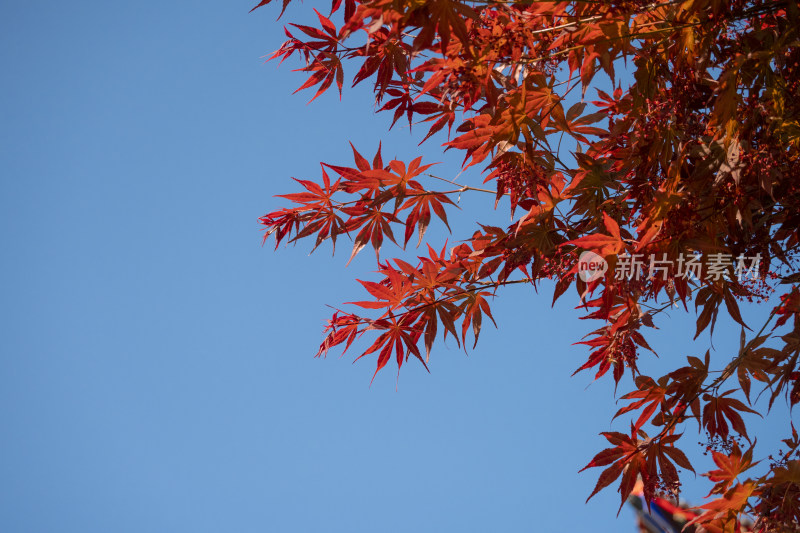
(156, 369)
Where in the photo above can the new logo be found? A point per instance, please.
(591, 266)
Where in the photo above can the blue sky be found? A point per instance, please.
(156, 369)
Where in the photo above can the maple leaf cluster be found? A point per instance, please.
(694, 150)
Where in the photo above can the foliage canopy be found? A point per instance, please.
(685, 169)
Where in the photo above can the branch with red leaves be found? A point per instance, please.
(686, 167)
